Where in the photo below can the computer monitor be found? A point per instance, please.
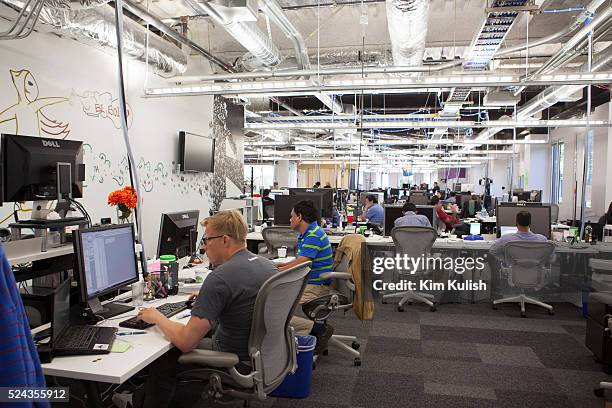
(392, 213)
(418, 199)
(284, 204)
(327, 195)
(507, 230)
(196, 153)
(475, 228)
(105, 261)
(395, 192)
(540, 216)
(38, 168)
(429, 211)
(178, 233)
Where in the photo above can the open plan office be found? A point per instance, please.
(296, 203)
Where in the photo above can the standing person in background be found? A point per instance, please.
(19, 363)
(436, 187)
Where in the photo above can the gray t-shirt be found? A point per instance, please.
(228, 297)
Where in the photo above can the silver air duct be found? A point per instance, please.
(93, 22)
(407, 22)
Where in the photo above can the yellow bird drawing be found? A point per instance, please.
(28, 111)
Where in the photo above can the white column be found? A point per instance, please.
(281, 173)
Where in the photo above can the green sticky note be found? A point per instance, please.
(120, 347)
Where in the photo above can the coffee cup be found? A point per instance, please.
(282, 252)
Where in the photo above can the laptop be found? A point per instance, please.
(508, 230)
(69, 340)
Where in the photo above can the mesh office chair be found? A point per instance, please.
(276, 237)
(321, 308)
(527, 263)
(414, 242)
(272, 344)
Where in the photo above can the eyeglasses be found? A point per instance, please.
(204, 239)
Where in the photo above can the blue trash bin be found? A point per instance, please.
(297, 385)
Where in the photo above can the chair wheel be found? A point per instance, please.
(400, 308)
(432, 309)
(355, 345)
(494, 306)
(599, 392)
(357, 362)
(523, 314)
(551, 312)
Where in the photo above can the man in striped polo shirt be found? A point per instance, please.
(313, 245)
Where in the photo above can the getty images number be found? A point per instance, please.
(36, 394)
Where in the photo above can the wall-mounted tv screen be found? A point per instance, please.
(196, 152)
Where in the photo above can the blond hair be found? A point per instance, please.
(229, 223)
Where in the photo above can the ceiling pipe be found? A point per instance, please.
(407, 23)
(322, 72)
(151, 19)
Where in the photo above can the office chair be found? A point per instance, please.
(527, 263)
(272, 345)
(321, 308)
(554, 213)
(278, 236)
(414, 242)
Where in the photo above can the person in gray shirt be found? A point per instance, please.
(411, 217)
(523, 221)
(226, 298)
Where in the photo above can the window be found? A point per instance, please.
(589, 169)
(557, 173)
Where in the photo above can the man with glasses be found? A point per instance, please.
(226, 298)
(313, 245)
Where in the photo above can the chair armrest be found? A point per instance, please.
(336, 275)
(209, 358)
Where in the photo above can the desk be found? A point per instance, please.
(116, 368)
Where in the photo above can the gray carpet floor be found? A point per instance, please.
(463, 355)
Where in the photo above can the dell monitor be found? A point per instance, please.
(196, 153)
(178, 233)
(284, 204)
(540, 217)
(105, 261)
(327, 195)
(38, 168)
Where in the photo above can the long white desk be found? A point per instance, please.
(28, 250)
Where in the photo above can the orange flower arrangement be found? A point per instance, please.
(125, 199)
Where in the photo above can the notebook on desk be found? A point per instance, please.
(76, 340)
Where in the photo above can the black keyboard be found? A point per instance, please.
(77, 338)
(168, 310)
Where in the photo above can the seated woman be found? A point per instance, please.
(448, 219)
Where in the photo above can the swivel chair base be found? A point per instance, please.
(522, 299)
(410, 296)
(338, 341)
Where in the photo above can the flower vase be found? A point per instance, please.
(124, 215)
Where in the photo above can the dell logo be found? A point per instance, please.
(50, 143)
(185, 216)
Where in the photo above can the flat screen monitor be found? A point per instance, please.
(507, 230)
(284, 204)
(475, 228)
(178, 233)
(395, 191)
(327, 195)
(392, 213)
(540, 216)
(429, 211)
(106, 261)
(38, 168)
(196, 153)
(418, 199)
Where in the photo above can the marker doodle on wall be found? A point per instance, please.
(102, 105)
(28, 110)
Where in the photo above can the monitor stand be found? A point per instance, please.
(107, 310)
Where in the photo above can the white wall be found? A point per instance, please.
(65, 68)
(573, 166)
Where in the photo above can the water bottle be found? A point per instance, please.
(588, 233)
